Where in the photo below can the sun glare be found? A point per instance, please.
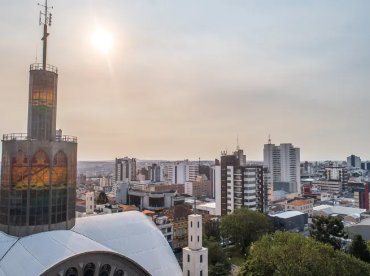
(102, 40)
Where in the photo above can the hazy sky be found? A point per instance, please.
(184, 77)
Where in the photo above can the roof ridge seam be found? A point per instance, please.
(9, 249)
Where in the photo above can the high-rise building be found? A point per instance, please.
(361, 197)
(181, 171)
(195, 256)
(237, 186)
(38, 175)
(284, 164)
(337, 174)
(365, 165)
(124, 169)
(154, 173)
(354, 161)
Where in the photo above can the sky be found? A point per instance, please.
(183, 79)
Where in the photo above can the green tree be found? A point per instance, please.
(102, 198)
(287, 254)
(244, 226)
(217, 259)
(328, 230)
(359, 249)
(218, 269)
(212, 229)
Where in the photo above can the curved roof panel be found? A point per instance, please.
(33, 255)
(133, 235)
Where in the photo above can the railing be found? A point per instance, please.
(39, 66)
(24, 137)
(66, 138)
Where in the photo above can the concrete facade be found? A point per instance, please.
(195, 256)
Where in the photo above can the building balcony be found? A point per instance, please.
(24, 137)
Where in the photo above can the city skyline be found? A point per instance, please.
(183, 80)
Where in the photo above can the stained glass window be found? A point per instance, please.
(5, 171)
(59, 176)
(105, 270)
(40, 171)
(72, 170)
(89, 269)
(20, 171)
(72, 271)
(119, 272)
(42, 91)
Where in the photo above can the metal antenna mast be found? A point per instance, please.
(45, 19)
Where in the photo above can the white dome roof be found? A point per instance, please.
(130, 234)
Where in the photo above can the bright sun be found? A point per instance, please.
(102, 40)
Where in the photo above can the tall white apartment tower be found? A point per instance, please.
(195, 256)
(181, 171)
(284, 164)
(89, 203)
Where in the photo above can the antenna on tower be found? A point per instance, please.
(269, 140)
(237, 142)
(45, 19)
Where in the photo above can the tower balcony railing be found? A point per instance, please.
(25, 137)
(39, 66)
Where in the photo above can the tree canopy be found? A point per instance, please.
(244, 226)
(328, 230)
(359, 249)
(102, 198)
(218, 263)
(287, 254)
(212, 229)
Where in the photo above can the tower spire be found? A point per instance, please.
(237, 142)
(269, 139)
(45, 19)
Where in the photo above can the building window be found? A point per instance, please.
(191, 224)
(198, 224)
(89, 269)
(72, 271)
(188, 258)
(191, 238)
(90, 206)
(198, 238)
(105, 270)
(188, 273)
(201, 258)
(201, 273)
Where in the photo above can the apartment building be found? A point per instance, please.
(124, 169)
(181, 171)
(284, 164)
(240, 186)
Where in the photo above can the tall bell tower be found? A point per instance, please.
(38, 168)
(195, 256)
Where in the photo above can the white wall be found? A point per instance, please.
(217, 188)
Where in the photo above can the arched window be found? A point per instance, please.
(105, 270)
(40, 171)
(72, 271)
(39, 186)
(20, 171)
(119, 272)
(72, 170)
(5, 171)
(89, 269)
(59, 176)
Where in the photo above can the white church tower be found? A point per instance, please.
(195, 257)
(89, 203)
